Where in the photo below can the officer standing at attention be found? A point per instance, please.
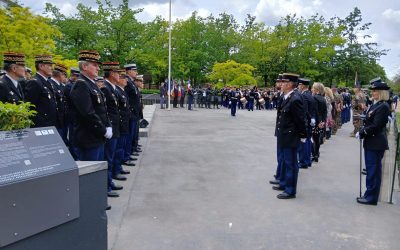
(133, 94)
(124, 114)
(92, 124)
(40, 92)
(290, 130)
(279, 96)
(70, 113)
(375, 140)
(58, 79)
(14, 67)
(310, 113)
(108, 88)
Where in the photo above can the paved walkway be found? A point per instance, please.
(202, 184)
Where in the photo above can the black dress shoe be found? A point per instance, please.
(138, 150)
(112, 194)
(364, 172)
(303, 167)
(279, 188)
(116, 187)
(132, 158)
(366, 202)
(285, 196)
(119, 177)
(135, 154)
(124, 172)
(274, 182)
(108, 207)
(129, 163)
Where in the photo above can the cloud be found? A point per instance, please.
(270, 11)
(392, 15)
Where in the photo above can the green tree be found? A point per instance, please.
(356, 56)
(233, 73)
(22, 31)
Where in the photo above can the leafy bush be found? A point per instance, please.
(150, 91)
(13, 116)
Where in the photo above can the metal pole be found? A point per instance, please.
(169, 58)
(360, 167)
(394, 169)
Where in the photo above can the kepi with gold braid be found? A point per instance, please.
(14, 58)
(89, 56)
(60, 67)
(111, 66)
(45, 59)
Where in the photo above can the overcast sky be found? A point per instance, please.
(383, 14)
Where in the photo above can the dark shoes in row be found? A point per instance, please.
(364, 201)
(121, 177)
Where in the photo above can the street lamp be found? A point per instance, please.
(169, 58)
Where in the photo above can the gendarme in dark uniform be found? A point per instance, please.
(290, 129)
(133, 93)
(310, 113)
(375, 140)
(10, 89)
(92, 124)
(58, 80)
(40, 92)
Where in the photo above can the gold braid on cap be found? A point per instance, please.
(61, 67)
(16, 58)
(111, 66)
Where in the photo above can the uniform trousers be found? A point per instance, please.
(119, 154)
(304, 151)
(373, 164)
(251, 104)
(131, 137)
(73, 149)
(190, 102)
(109, 155)
(64, 134)
(279, 157)
(91, 154)
(233, 108)
(162, 101)
(290, 170)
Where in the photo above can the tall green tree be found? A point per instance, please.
(22, 31)
(356, 56)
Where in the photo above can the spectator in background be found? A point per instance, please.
(163, 93)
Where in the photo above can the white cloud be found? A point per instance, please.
(271, 11)
(68, 9)
(392, 15)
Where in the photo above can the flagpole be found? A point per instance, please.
(169, 58)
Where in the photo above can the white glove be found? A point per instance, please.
(230, 102)
(109, 133)
(303, 140)
(358, 135)
(390, 118)
(312, 123)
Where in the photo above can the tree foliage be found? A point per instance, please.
(22, 31)
(332, 50)
(233, 74)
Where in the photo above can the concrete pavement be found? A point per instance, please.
(202, 184)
